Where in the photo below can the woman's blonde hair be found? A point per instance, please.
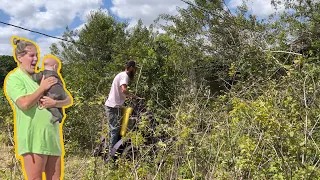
(20, 46)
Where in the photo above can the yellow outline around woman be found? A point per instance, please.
(36, 138)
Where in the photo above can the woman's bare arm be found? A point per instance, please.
(62, 103)
(27, 101)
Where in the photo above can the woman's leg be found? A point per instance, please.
(34, 165)
(53, 168)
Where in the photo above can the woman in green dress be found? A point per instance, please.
(37, 141)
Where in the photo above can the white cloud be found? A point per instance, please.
(56, 14)
(44, 44)
(146, 10)
(21, 8)
(80, 27)
(234, 3)
(260, 8)
(5, 38)
(41, 15)
(6, 48)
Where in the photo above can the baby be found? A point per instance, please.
(56, 91)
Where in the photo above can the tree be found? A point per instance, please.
(7, 64)
(216, 40)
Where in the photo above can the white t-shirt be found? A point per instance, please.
(116, 96)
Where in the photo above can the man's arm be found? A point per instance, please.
(127, 93)
(124, 80)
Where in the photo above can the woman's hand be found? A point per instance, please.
(48, 82)
(47, 102)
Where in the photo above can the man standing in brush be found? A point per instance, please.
(116, 99)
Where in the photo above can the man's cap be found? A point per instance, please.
(132, 63)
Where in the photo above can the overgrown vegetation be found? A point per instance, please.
(234, 96)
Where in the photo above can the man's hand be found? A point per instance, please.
(134, 96)
(140, 98)
(126, 92)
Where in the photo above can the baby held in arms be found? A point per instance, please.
(56, 92)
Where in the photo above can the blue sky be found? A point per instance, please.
(52, 16)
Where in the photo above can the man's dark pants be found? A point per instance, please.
(114, 116)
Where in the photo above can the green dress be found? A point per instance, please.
(34, 133)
